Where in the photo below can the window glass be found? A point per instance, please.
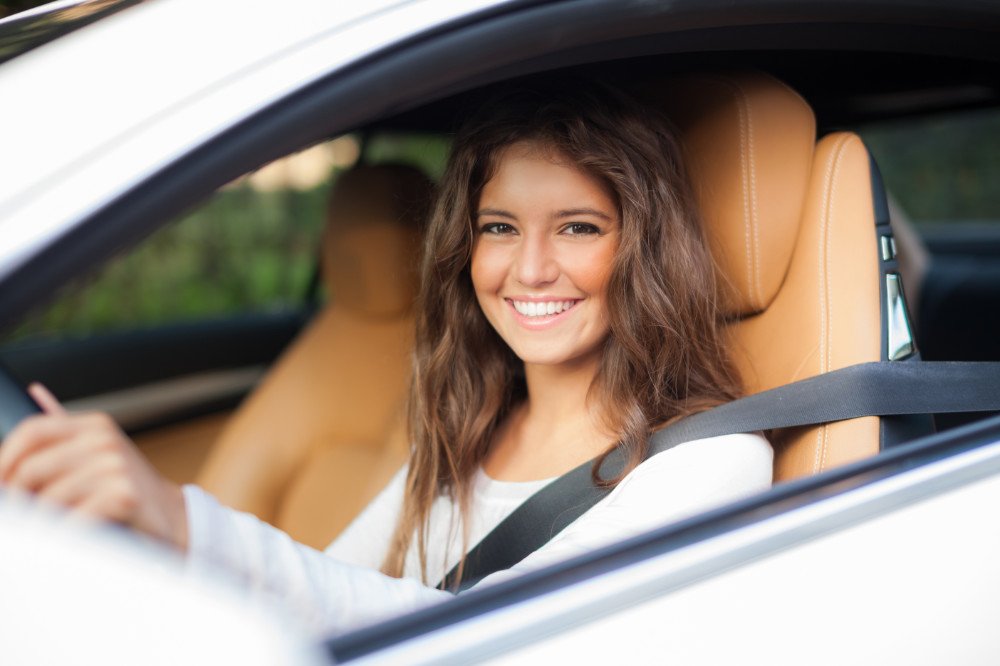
(253, 247)
(428, 152)
(941, 169)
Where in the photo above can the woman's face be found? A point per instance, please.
(546, 236)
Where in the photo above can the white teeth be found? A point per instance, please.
(541, 309)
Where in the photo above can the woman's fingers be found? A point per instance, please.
(85, 462)
(47, 465)
(31, 435)
(45, 399)
(114, 499)
(35, 432)
(71, 489)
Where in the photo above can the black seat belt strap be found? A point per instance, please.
(866, 389)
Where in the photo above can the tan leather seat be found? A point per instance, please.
(791, 223)
(792, 226)
(323, 432)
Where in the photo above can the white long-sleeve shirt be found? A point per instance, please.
(341, 588)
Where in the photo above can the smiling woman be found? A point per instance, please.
(572, 199)
(568, 193)
(547, 236)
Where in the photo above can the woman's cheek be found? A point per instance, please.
(487, 268)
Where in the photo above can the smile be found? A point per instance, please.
(541, 308)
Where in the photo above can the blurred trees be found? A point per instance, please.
(941, 168)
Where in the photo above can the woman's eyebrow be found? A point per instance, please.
(574, 212)
(497, 212)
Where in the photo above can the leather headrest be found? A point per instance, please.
(748, 141)
(372, 238)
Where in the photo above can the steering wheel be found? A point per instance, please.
(15, 403)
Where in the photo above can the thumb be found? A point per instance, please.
(45, 399)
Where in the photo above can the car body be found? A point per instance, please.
(114, 129)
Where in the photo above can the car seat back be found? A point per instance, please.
(323, 431)
(792, 226)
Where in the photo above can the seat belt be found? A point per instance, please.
(868, 389)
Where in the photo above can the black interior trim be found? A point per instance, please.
(226, 403)
(782, 498)
(85, 366)
(896, 429)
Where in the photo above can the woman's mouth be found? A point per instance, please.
(539, 311)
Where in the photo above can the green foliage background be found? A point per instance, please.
(243, 251)
(941, 169)
(248, 250)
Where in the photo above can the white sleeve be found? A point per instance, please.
(328, 595)
(682, 481)
(365, 541)
(324, 594)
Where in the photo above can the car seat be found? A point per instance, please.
(800, 235)
(323, 432)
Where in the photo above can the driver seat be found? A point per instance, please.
(791, 222)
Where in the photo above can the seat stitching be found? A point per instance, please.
(748, 251)
(829, 197)
(745, 187)
(754, 220)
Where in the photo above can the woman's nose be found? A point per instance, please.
(536, 262)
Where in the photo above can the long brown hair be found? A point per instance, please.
(665, 355)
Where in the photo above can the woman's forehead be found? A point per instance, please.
(532, 174)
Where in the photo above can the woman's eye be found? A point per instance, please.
(581, 228)
(497, 228)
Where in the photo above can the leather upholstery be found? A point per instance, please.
(748, 147)
(320, 435)
(792, 227)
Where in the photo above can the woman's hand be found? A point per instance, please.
(86, 463)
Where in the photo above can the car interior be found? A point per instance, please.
(341, 440)
(297, 415)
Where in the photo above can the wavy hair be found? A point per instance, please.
(665, 356)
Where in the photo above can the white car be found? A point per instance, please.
(118, 120)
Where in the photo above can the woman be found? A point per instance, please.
(568, 307)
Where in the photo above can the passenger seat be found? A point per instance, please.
(324, 430)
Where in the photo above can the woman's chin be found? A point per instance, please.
(550, 358)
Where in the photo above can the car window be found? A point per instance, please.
(251, 248)
(429, 152)
(941, 169)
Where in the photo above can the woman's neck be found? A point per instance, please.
(554, 430)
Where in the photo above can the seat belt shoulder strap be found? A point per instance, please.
(866, 389)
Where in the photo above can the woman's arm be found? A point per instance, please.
(85, 463)
(329, 595)
(325, 594)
